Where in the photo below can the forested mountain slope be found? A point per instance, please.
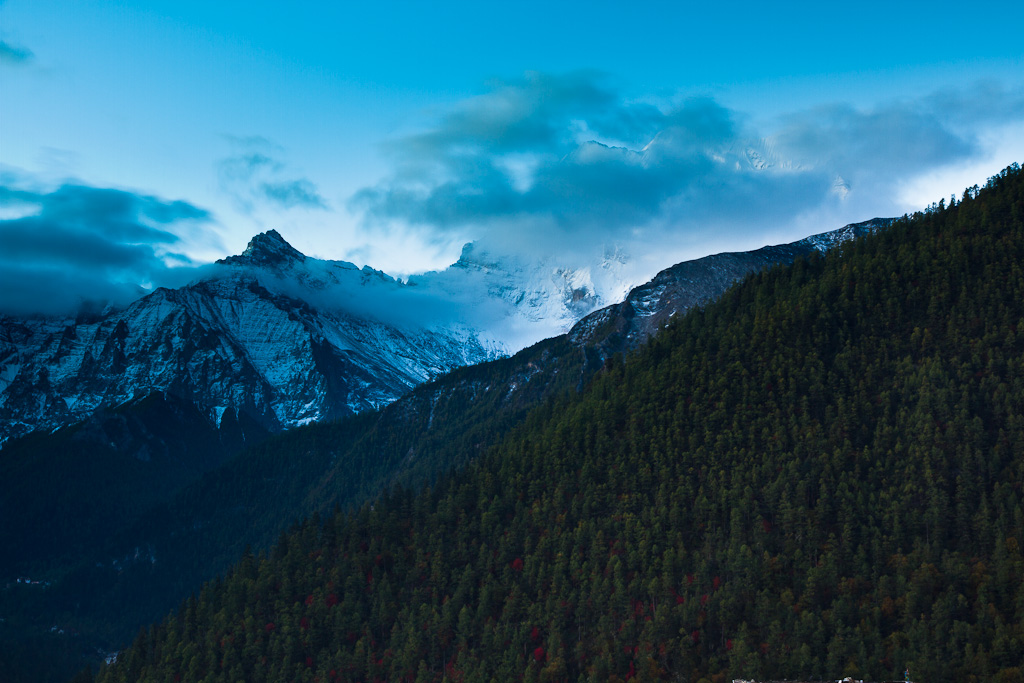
(818, 475)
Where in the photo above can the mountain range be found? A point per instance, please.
(145, 499)
(276, 339)
(817, 475)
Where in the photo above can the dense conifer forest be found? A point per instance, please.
(818, 475)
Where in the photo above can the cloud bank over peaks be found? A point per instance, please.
(562, 148)
(549, 161)
(63, 246)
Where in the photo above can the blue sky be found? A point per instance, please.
(157, 135)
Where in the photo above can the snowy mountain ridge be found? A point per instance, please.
(252, 337)
(287, 339)
(514, 302)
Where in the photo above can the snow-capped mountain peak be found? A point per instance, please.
(282, 337)
(266, 249)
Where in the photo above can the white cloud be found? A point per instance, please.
(559, 161)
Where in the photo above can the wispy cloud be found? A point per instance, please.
(59, 247)
(254, 175)
(14, 55)
(293, 193)
(548, 159)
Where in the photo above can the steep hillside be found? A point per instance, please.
(818, 475)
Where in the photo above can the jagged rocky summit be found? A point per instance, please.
(271, 334)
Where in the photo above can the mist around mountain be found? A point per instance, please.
(272, 335)
(817, 475)
(287, 339)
